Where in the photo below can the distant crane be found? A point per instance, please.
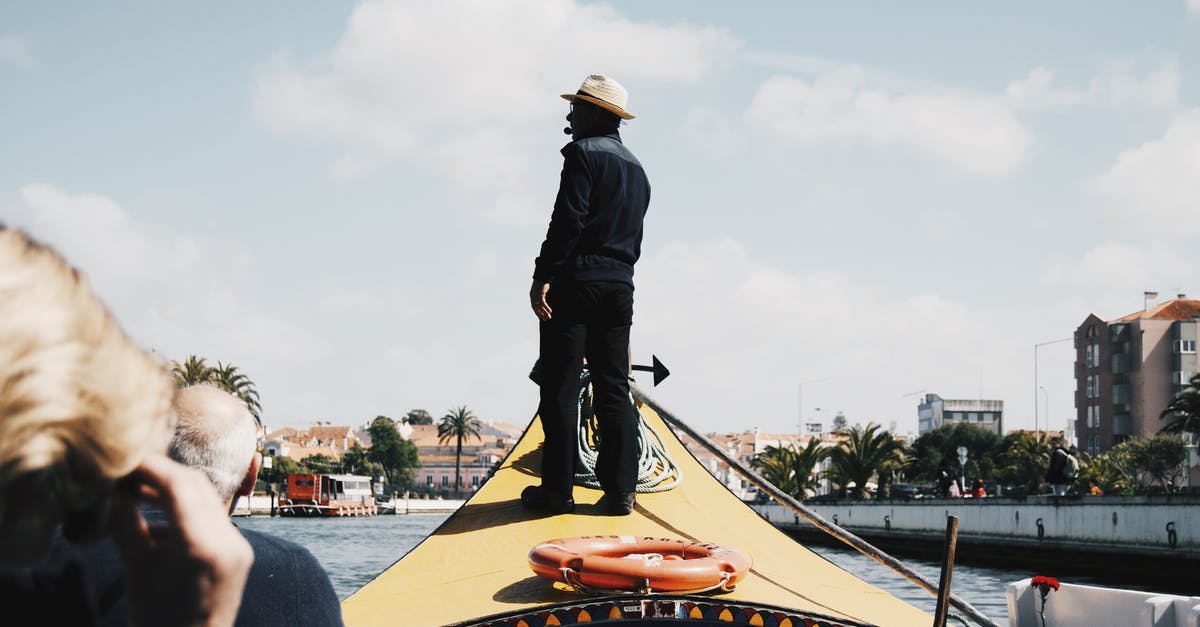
(921, 392)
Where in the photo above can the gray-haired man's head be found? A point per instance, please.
(215, 434)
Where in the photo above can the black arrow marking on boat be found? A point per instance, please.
(660, 371)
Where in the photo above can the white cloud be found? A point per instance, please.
(746, 330)
(14, 51)
(1193, 7)
(102, 238)
(1148, 82)
(448, 84)
(973, 133)
(1118, 270)
(175, 295)
(1127, 86)
(1038, 91)
(1153, 188)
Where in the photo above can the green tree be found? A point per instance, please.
(192, 371)
(195, 370)
(229, 378)
(1023, 461)
(1104, 472)
(806, 461)
(1184, 410)
(937, 450)
(458, 424)
(1158, 459)
(418, 417)
(321, 463)
(839, 423)
(860, 456)
(357, 461)
(396, 456)
(280, 468)
(790, 468)
(776, 465)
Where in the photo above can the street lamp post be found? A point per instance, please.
(1046, 397)
(1037, 385)
(800, 400)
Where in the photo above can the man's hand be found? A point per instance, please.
(192, 569)
(537, 300)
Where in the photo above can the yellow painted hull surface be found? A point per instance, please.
(476, 563)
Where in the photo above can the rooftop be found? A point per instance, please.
(1177, 309)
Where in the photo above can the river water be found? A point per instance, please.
(355, 550)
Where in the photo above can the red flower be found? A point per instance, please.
(1045, 583)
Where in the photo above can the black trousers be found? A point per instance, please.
(590, 319)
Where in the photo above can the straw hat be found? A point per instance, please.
(605, 93)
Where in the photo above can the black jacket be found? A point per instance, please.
(84, 585)
(595, 232)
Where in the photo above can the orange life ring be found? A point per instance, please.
(639, 563)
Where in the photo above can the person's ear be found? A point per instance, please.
(247, 486)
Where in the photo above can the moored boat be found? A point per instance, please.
(475, 568)
(315, 494)
(1045, 601)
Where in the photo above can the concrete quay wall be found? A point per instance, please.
(1128, 525)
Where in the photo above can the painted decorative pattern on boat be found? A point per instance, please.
(681, 611)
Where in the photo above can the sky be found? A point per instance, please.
(854, 204)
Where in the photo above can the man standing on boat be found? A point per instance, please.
(583, 295)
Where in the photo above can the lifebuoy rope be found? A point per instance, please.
(571, 578)
(657, 472)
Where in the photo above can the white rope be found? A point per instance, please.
(656, 471)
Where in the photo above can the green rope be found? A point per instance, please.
(657, 472)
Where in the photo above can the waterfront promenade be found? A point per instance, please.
(1156, 536)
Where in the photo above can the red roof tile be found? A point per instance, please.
(1178, 309)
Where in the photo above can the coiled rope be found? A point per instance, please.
(657, 472)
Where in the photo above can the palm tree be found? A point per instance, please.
(228, 378)
(790, 468)
(860, 456)
(1185, 409)
(192, 371)
(776, 464)
(458, 424)
(1024, 460)
(806, 460)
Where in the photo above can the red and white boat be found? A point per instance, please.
(328, 495)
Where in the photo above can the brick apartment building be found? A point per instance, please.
(1127, 370)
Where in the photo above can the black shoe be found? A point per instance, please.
(618, 503)
(541, 499)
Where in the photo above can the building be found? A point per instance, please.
(936, 412)
(298, 444)
(436, 471)
(479, 455)
(743, 447)
(1127, 370)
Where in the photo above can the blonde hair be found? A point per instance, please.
(80, 404)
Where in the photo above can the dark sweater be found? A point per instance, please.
(84, 585)
(595, 232)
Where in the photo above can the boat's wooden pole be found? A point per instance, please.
(939, 614)
(802, 510)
